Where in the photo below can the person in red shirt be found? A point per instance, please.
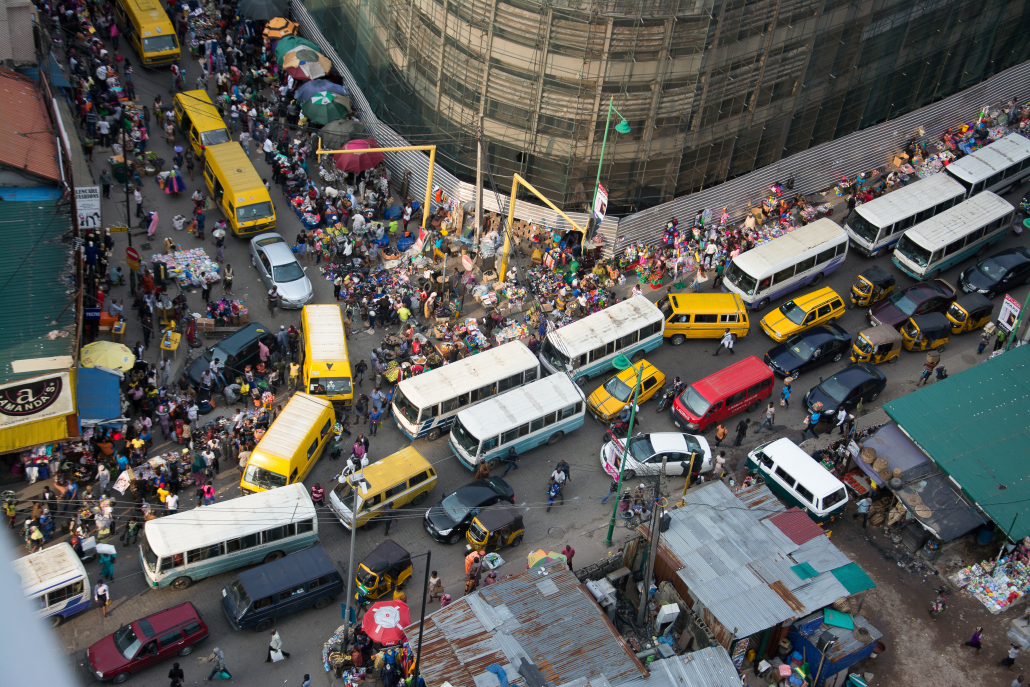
(318, 494)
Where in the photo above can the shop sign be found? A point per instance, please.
(600, 201)
(91, 314)
(38, 398)
(87, 203)
(1009, 313)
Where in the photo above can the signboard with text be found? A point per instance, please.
(1009, 313)
(38, 398)
(87, 203)
(600, 202)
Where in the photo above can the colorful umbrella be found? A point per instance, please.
(324, 107)
(337, 132)
(305, 63)
(541, 557)
(278, 28)
(385, 621)
(114, 356)
(358, 162)
(309, 88)
(262, 10)
(174, 182)
(290, 43)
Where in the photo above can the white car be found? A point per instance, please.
(274, 260)
(647, 450)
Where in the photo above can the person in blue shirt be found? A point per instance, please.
(123, 463)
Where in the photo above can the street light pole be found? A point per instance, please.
(356, 485)
(623, 363)
(623, 128)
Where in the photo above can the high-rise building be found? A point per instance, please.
(711, 89)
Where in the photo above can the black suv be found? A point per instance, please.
(235, 352)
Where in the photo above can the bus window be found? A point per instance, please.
(825, 256)
(783, 275)
(805, 265)
(251, 540)
(842, 248)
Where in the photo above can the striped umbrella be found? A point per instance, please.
(323, 107)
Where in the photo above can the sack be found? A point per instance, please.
(277, 656)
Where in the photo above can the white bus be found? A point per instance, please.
(425, 406)
(996, 167)
(521, 419)
(877, 225)
(774, 269)
(969, 228)
(55, 581)
(180, 549)
(588, 346)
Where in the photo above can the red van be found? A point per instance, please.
(741, 386)
(144, 642)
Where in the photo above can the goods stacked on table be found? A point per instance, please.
(226, 312)
(511, 331)
(191, 267)
(997, 586)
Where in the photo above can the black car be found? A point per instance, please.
(997, 273)
(808, 349)
(235, 352)
(845, 388)
(449, 519)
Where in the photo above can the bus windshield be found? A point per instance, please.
(239, 597)
(262, 478)
(255, 212)
(404, 406)
(149, 557)
(464, 438)
(694, 402)
(213, 138)
(743, 281)
(863, 227)
(322, 386)
(555, 357)
(913, 251)
(159, 44)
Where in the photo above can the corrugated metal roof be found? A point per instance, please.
(711, 667)
(804, 571)
(796, 524)
(853, 578)
(821, 554)
(760, 499)
(35, 272)
(563, 633)
(819, 592)
(777, 568)
(26, 140)
(983, 445)
(847, 643)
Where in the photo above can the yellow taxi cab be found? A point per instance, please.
(609, 398)
(804, 312)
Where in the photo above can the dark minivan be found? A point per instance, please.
(260, 595)
(235, 352)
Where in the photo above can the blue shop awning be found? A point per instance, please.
(98, 396)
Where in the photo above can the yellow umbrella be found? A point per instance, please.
(279, 27)
(107, 354)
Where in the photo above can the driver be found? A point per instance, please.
(558, 477)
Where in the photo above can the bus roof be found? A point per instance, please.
(767, 258)
(290, 429)
(475, 372)
(403, 462)
(990, 159)
(200, 107)
(518, 406)
(910, 200)
(237, 168)
(150, 10)
(795, 461)
(942, 229)
(49, 568)
(191, 529)
(613, 322)
(323, 327)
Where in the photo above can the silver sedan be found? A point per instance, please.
(274, 260)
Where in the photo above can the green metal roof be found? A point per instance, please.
(804, 570)
(853, 578)
(974, 425)
(35, 268)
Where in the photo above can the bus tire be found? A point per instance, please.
(323, 602)
(493, 462)
(273, 556)
(762, 305)
(933, 275)
(263, 625)
(637, 357)
(751, 408)
(371, 524)
(880, 253)
(555, 438)
(433, 435)
(419, 499)
(817, 278)
(55, 621)
(677, 339)
(181, 583)
(980, 251)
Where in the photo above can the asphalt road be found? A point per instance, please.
(582, 521)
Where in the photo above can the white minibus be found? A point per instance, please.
(57, 582)
(996, 167)
(800, 481)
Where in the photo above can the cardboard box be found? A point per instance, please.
(205, 324)
(245, 318)
(900, 159)
(489, 276)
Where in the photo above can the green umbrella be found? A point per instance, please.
(326, 106)
(287, 44)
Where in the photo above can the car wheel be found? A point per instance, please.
(419, 499)
(836, 358)
(433, 435)
(371, 524)
(186, 650)
(516, 541)
(678, 339)
(940, 349)
(323, 602)
(555, 438)
(453, 537)
(263, 625)
(1027, 280)
(762, 304)
(181, 583)
(817, 278)
(120, 678)
(273, 556)
(874, 397)
(832, 320)
(990, 294)
(628, 474)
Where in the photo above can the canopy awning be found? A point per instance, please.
(98, 397)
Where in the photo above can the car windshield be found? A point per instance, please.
(800, 347)
(344, 491)
(863, 227)
(992, 269)
(213, 138)
(743, 281)
(618, 389)
(833, 388)
(694, 402)
(463, 438)
(159, 44)
(255, 212)
(126, 642)
(913, 251)
(640, 448)
(149, 557)
(453, 507)
(265, 479)
(367, 578)
(862, 286)
(239, 597)
(792, 312)
(405, 407)
(863, 345)
(331, 386)
(291, 271)
(903, 303)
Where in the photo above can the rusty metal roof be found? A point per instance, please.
(26, 139)
(549, 619)
(761, 500)
(796, 524)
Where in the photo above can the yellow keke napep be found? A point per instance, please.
(400, 478)
(970, 312)
(703, 316)
(198, 120)
(237, 189)
(291, 446)
(877, 345)
(495, 527)
(324, 362)
(145, 24)
(921, 332)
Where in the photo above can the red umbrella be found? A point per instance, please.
(384, 622)
(358, 162)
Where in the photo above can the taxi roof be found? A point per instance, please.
(290, 430)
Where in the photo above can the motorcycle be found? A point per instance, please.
(555, 489)
(668, 396)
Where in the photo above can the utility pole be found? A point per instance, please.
(479, 179)
(656, 519)
(358, 479)
(128, 221)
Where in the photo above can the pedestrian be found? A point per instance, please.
(482, 470)
(373, 421)
(999, 340)
(105, 182)
(209, 494)
(227, 277)
(273, 300)
(218, 658)
(107, 565)
(770, 417)
(512, 459)
(100, 594)
(985, 338)
(975, 642)
(568, 552)
(275, 645)
(842, 418)
(863, 510)
(389, 515)
(785, 392)
(318, 494)
(1018, 682)
(172, 504)
(812, 420)
(928, 369)
(359, 372)
(725, 342)
(307, 681)
(741, 430)
(1010, 660)
(176, 674)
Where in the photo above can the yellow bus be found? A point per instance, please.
(325, 365)
(237, 189)
(145, 24)
(291, 446)
(199, 121)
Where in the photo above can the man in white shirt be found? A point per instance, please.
(268, 147)
(171, 504)
(104, 129)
